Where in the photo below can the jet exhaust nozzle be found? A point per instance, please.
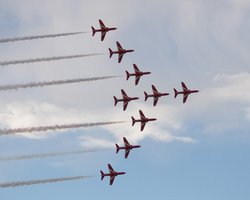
(93, 31)
(117, 148)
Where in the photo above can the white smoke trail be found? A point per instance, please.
(57, 82)
(41, 181)
(53, 128)
(44, 59)
(32, 37)
(46, 155)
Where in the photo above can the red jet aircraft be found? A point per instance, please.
(137, 74)
(120, 51)
(185, 92)
(143, 120)
(127, 147)
(126, 99)
(103, 29)
(112, 173)
(155, 94)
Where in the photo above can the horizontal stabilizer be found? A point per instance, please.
(116, 100)
(117, 148)
(127, 74)
(146, 96)
(93, 31)
(102, 174)
(175, 93)
(110, 53)
(133, 121)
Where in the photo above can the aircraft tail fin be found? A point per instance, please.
(117, 148)
(110, 53)
(93, 30)
(146, 96)
(102, 174)
(175, 93)
(128, 74)
(116, 100)
(133, 121)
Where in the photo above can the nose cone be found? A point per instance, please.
(154, 119)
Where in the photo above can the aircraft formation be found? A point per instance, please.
(126, 99)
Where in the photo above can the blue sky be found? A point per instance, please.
(194, 151)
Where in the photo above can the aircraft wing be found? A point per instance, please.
(185, 96)
(119, 46)
(136, 68)
(126, 143)
(103, 35)
(125, 104)
(156, 100)
(111, 181)
(101, 24)
(137, 79)
(127, 153)
(154, 89)
(143, 124)
(142, 115)
(120, 57)
(124, 93)
(111, 170)
(184, 87)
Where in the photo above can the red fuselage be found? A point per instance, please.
(114, 174)
(140, 73)
(128, 147)
(145, 120)
(128, 99)
(157, 94)
(123, 51)
(188, 92)
(105, 29)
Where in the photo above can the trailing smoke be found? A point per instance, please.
(32, 37)
(49, 83)
(42, 181)
(46, 155)
(44, 59)
(54, 128)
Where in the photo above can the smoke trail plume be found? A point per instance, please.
(44, 59)
(32, 37)
(46, 155)
(57, 82)
(41, 181)
(54, 128)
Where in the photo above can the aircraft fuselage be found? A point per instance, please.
(105, 29)
(114, 174)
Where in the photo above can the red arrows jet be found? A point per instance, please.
(137, 74)
(103, 29)
(155, 94)
(112, 173)
(120, 51)
(185, 92)
(143, 120)
(127, 147)
(126, 99)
